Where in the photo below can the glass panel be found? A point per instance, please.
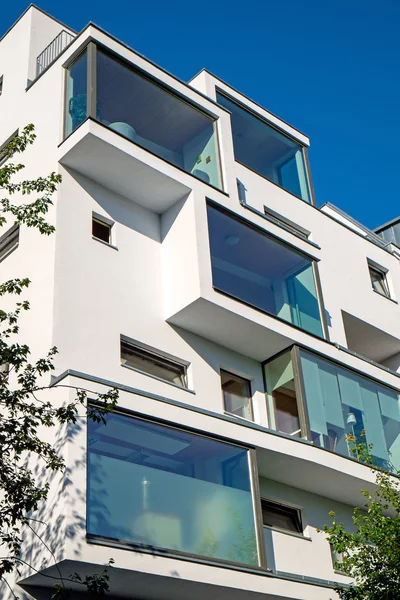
(378, 280)
(237, 395)
(283, 410)
(152, 485)
(388, 235)
(266, 150)
(76, 93)
(340, 402)
(396, 234)
(254, 268)
(155, 119)
(145, 361)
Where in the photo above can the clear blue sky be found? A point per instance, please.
(331, 68)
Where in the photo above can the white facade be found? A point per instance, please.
(155, 283)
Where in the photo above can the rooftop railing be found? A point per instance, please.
(53, 50)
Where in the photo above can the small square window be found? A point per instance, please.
(237, 395)
(145, 359)
(101, 230)
(378, 280)
(281, 516)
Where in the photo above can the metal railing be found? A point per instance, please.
(53, 50)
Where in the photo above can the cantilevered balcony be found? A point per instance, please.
(238, 285)
(172, 142)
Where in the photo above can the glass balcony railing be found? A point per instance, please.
(144, 112)
(266, 150)
(182, 492)
(326, 403)
(257, 269)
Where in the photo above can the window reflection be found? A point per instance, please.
(266, 150)
(157, 486)
(254, 268)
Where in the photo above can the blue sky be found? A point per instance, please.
(328, 67)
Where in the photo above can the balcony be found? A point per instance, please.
(313, 398)
(165, 133)
(243, 288)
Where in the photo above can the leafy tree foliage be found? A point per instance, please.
(24, 415)
(371, 553)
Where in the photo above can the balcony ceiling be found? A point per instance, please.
(369, 341)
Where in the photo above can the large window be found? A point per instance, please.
(157, 486)
(258, 270)
(266, 150)
(331, 403)
(144, 112)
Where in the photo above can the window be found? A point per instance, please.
(337, 559)
(9, 242)
(101, 229)
(378, 280)
(1, 84)
(3, 156)
(146, 112)
(158, 486)
(283, 407)
(266, 150)
(280, 516)
(286, 223)
(147, 360)
(255, 268)
(237, 395)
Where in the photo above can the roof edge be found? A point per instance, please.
(40, 10)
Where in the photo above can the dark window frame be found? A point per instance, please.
(250, 396)
(9, 242)
(283, 509)
(374, 268)
(158, 358)
(3, 158)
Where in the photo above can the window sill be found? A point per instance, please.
(291, 533)
(226, 412)
(384, 296)
(96, 239)
(175, 385)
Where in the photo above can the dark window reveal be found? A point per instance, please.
(281, 516)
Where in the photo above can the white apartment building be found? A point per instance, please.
(248, 331)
